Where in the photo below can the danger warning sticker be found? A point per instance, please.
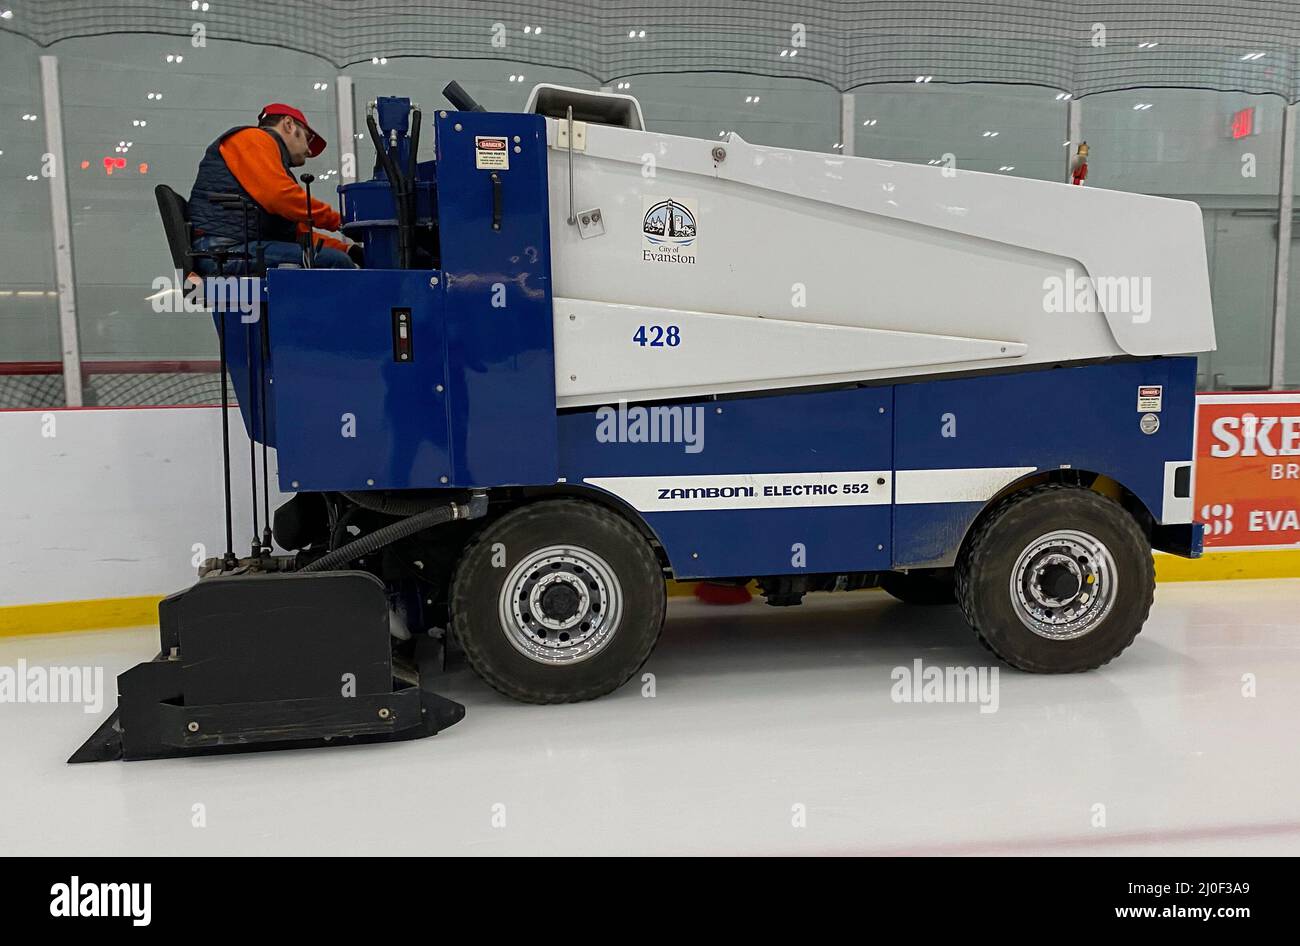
(1149, 398)
(491, 153)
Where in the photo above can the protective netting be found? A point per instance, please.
(1080, 46)
(114, 389)
(30, 390)
(132, 390)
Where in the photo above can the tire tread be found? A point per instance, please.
(977, 552)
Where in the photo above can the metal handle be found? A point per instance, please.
(573, 217)
(496, 201)
(309, 255)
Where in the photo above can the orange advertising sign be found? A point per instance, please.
(1247, 477)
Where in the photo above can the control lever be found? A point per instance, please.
(309, 256)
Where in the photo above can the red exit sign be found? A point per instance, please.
(1243, 123)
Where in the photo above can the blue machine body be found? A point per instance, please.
(473, 402)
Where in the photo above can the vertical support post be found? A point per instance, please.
(61, 224)
(347, 129)
(1073, 134)
(1285, 202)
(847, 131)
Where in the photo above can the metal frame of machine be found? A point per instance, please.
(540, 398)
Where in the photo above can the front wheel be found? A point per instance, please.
(557, 602)
(1056, 579)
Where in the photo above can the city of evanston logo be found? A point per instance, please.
(668, 230)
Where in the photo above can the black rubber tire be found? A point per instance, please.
(476, 585)
(983, 577)
(927, 586)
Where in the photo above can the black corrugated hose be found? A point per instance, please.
(376, 540)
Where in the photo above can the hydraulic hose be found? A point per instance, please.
(388, 505)
(413, 183)
(397, 183)
(381, 537)
(376, 540)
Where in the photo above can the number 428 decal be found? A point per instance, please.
(658, 336)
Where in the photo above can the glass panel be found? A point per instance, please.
(996, 128)
(133, 119)
(31, 367)
(1222, 150)
(781, 113)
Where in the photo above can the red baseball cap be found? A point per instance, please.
(315, 143)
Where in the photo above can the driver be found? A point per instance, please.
(256, 163)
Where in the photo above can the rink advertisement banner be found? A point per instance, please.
(1248, 470)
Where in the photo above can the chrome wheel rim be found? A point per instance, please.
(1064, 584)
(560, 605)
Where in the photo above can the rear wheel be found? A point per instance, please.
(558, 602)
(1056, 579)
(926, 586)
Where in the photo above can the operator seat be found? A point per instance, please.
(175, 213)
